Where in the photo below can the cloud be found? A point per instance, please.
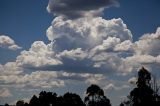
(77, 54)
(5, 92)
(10, 68)
(80, 8)
(13, 76)
(141, 59)
(107, 45)
(86, 33)
(38, 55)
(43, 79)
(148, 44)
(80, 46)
(113, 87)
(78, 42)
(86, 46)
(37, 79)
(125, 46)
(132, 80)
(7, 42)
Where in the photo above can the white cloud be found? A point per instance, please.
(83, 38)
(132, 80)
(94, 78)
(124, 46)
(113, 87)
(13, 76)
(86, 33)
(10, 68)
(43, 79)
(148, 44)
(38, 55)
(5, 92)
(107, 44)
(77, 54)
(142, 59)
(7, 42)
(37, 79)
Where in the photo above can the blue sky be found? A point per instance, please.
(74, 47)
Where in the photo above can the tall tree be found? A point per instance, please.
(143, 94)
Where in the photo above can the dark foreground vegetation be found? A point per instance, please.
(144, 94)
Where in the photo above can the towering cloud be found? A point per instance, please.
(86, 33)
(7, 42)
(77, 43)
(79, 8)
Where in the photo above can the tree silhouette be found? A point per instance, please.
(20, 103)
(51, 99)
(70, 99)
(34, 101)
(95, 97)
(143, 94)
(6, 104)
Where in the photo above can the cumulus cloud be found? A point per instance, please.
(107, 45)
(37, 79)
(10, 68)
(149, 44)
(43, 79)
(141, 59)
(7, 42)
(38, 55)
(126, 46)
(14, 76)
(77, 54)
(87, 39)
(79, 8)
(86, 33)
(5, 92)
(85, 45)
(103, 44)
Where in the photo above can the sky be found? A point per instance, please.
(67, 45)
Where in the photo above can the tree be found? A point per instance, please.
(20, 103)
(143, 94)
(6, 104)
(95, 97)
(34, 101)
(71, 99)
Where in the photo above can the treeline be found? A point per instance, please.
(144, 94)
(95, 97)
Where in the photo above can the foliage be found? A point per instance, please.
(95, 97)
(143, 94)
